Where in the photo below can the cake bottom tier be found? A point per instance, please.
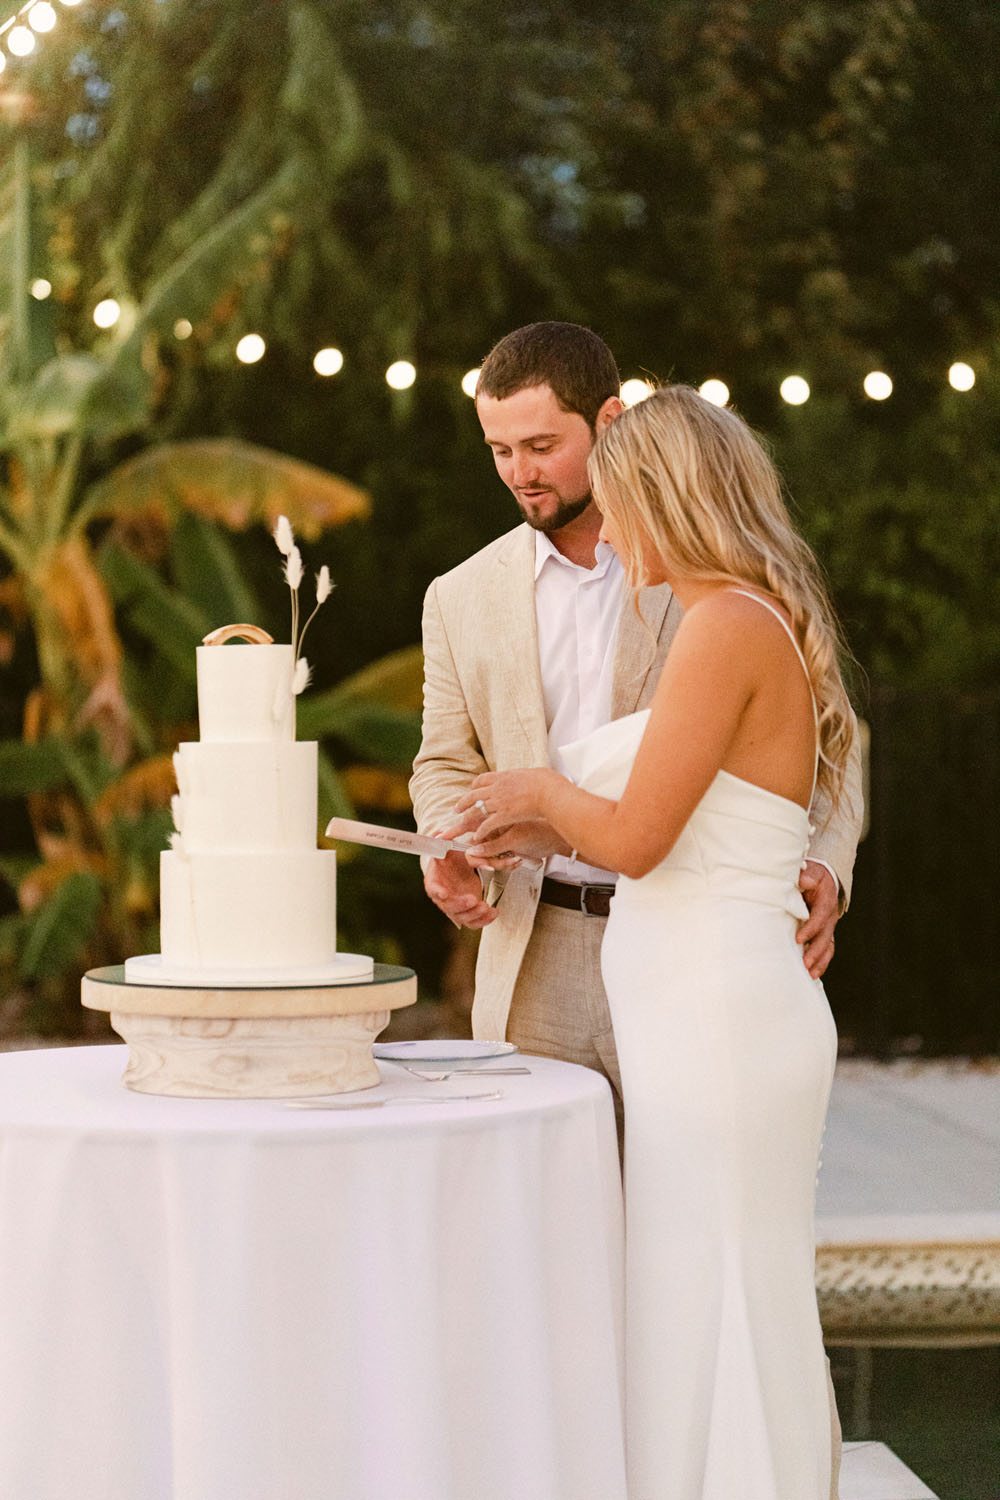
(245, 912)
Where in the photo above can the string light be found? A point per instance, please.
(400, 375)
(183, 329)
(961, 377)
(635, 390)
(328, 361)
(716, 391)
(21, 41)
(107, 313)
(877, 385)
(250, 349)
(40, 289)
(41, 16)
(794, 390)
(469, 382)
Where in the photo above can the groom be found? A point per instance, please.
(530, 644)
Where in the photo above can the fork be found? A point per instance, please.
(481, 1072)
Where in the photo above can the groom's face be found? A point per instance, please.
(540, 452)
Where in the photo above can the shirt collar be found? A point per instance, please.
(546, 552)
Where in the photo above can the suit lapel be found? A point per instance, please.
(509, 605)
(637, 646)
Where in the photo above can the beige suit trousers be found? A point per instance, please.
(559, 1008)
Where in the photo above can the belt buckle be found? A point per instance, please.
(597, 892)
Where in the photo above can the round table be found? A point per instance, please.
(215, 1299)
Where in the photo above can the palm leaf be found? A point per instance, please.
(61, 927)
(232, 482)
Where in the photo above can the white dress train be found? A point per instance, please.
(727, 1049)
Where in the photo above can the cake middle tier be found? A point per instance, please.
(246, 798)
(246, 911)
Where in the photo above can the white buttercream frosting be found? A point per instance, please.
(245, 693)
(243, 887)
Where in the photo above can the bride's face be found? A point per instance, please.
(652, 567)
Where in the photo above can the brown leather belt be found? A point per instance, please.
(592, 900)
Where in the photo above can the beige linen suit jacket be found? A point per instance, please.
(484, 711)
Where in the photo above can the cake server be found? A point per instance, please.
(382, 837)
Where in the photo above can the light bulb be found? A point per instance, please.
(250, 349)
(21, 41)
(716, 391)
(328, 361)
(961, 377)
(400, 375)
(469, 382)
(794, 390)
(878, 385)
(635, 390)
(107, 313)
(41, 16)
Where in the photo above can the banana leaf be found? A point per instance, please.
(207, 572)
(77, 393)
(31, 768)
(174, 624)
(60, 928)
(333, 799)
(14, 867)
(396, 679)
(229, 481)
(370, 730)
(11, 936)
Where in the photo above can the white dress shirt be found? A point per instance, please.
(577, 610)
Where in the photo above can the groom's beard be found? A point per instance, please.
(565, 511)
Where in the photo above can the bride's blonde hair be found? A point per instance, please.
(688, 482)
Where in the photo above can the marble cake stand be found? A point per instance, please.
(242, 1043)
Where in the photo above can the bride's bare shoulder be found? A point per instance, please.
(729, 612)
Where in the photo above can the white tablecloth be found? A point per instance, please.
(234, 1300)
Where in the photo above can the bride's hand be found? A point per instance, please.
(532, 840)
(503, 798)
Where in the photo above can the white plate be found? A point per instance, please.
(441, 1050)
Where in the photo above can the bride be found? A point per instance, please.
(727, 1046)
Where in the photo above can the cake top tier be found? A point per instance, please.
(245, 693)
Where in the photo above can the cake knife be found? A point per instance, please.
(382, 837)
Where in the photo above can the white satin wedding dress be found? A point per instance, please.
(727, 1049)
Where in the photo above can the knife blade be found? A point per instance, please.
(381, 837)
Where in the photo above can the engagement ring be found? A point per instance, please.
(481, 805)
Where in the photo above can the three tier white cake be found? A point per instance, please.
(246, 897)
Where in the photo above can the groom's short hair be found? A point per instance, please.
(571, 360)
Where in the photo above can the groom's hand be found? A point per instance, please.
(455, 887)
(816, 933)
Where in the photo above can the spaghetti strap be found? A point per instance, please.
(747, 594)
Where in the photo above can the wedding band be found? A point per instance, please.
(481, 805)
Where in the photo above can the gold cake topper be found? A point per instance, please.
(251, 633)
